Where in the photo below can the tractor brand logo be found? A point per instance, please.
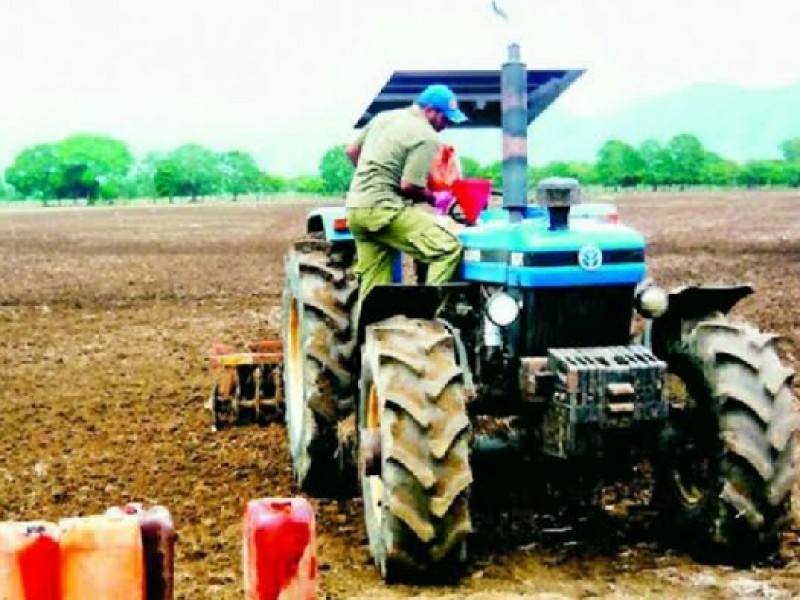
(590, 258)
(472, 255)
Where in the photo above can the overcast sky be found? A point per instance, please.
(286, 79)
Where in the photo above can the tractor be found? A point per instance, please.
(553, 325)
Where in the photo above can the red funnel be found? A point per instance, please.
(472, 195)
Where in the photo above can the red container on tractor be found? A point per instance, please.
(29, 561)
(279, 553)
(472, 195)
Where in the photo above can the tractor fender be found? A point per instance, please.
(413, 301)
(416, 302)
(324, 220)
(688, 305)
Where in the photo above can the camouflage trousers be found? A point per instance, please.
(381, 231)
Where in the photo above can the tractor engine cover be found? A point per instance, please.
(599, 391)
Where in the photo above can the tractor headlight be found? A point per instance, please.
(652, 302)
(502, 309)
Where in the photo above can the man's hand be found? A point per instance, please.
(416, 193)
(443, 201)
(353, 152)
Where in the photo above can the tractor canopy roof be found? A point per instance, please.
(478, 93)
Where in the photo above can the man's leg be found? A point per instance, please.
(373, 267)
(418, 234)
(374, 259)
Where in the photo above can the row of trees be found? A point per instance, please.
(680, 162)
(102, 168)
(683, 161)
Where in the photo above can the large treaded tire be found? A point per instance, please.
(726, 468)
(318, 341)
(412, 392)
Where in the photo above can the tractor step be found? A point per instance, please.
(248, 385)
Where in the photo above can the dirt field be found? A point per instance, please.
(105, 318)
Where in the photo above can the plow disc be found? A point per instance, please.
(247, 385)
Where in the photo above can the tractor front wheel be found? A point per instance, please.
(414, 436)
(726, 465)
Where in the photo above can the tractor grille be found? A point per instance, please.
(575, 318)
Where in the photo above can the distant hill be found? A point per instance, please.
(735, 122)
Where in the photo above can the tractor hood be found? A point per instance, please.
(529, 254)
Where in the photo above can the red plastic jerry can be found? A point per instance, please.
(29, 561)
(279, 550)
(158, 543)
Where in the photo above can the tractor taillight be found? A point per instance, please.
(340, 225)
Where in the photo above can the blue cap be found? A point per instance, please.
(442, 98)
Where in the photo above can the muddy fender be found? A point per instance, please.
(688, 305)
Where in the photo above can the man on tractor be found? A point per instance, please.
(393, 155)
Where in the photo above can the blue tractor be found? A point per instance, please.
(552, 326)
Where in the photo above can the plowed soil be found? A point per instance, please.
(106, 317)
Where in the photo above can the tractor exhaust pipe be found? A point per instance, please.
(514, 107)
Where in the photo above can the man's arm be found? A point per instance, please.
(414, 182)
(353, 151)
(416, 193)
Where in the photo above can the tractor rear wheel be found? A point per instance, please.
(318, 338)
(414, 436)
(726, 466)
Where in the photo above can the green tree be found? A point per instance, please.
(758, 173)
(92, 166)
(618, 164)
(35, 172)
(778, 172)
(307, 184)
(470, 167)
(791, 150)
(239, 174)
(336, 171)
(718, 171)
(793, 174)
(190, 170)
(77, 180)
(686, 159)
(6, 191)
(167, 179)
(655, 163)
(558, 169)
(583, 172)
(271, 184)
(140, 182)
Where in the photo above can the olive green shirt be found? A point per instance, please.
(396, 145)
